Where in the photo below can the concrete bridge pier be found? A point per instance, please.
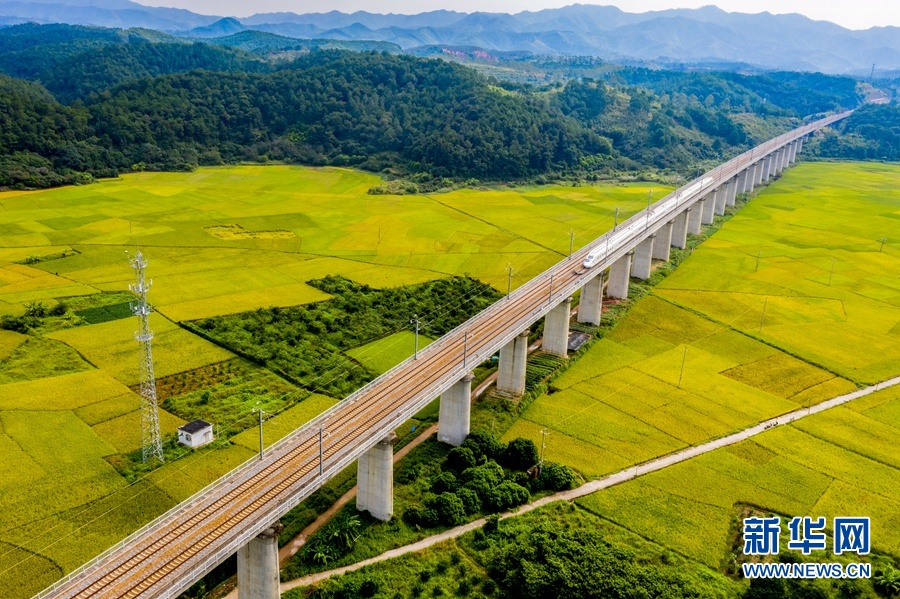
(662, 245)
(619, 275)
(680, 228)
(375, 479)
(556, 329)
(794, 145)
(257, 567)
(741, 182)
(643, 258)
(779, 161)
(695, 217)
(513, 359)
(751, 179)
(731, 196)
(722, 197)
(455, 412)
(759, 171)
(709, 206)
(591, 304)
(767, 167)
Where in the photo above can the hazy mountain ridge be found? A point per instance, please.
(702, 35)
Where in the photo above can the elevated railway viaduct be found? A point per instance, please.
(237, 512)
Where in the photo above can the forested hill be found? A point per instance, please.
(372, 110)
(102, 101)
(74, 62)
(870, 133)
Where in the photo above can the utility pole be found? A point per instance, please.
(415, 319)
(649, 200)
(571, 241)
(757, 261)
(509, 280)
(261, 413)
(683, 360)
(550, 297)
(763, 319)
(883, 239)
(544, 434)
(465, 348)
(616, 219)
(831, 274)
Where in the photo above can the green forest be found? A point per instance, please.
(77, 103)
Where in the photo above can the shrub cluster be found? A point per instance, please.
(485, 476)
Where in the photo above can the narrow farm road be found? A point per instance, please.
(603, 483)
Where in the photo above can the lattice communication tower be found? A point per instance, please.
(150, 437)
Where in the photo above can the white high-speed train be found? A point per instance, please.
(594, 256)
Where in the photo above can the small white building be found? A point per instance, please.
(195, 433)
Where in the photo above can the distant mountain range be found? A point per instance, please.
(693, 36)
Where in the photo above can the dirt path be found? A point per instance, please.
(602, 483)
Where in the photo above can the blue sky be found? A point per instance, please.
(856, 14)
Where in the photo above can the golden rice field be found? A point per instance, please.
(841, 462)
(830, 291)
(684, 366)
(218, 241)
(691, 362)
(328, 224)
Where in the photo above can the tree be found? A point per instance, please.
(459, 459)
(520, 454)
(887, 581)
(449, 507)
(555, 477)
(483, 445)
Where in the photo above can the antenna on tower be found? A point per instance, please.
(151, 440)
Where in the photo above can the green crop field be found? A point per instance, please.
(689, 363)
(254, 235)
(384, 354)
(841, 462)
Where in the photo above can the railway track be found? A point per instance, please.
(171, 553)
